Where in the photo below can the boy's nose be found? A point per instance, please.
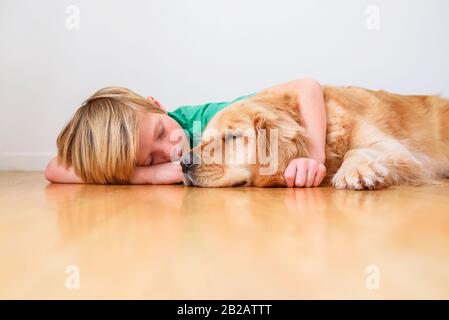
(189, 161)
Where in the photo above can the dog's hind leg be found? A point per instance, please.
(377, 166)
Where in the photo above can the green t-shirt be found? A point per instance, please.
(193, 119)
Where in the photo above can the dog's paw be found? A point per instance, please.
(360, 176)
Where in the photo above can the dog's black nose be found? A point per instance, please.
(188, 161)
(186, 166)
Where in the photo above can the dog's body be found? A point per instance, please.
(375, 139)
(378, 139)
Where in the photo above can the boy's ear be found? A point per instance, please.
(157, 103)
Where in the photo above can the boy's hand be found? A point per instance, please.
(164, 173)
(304, 172)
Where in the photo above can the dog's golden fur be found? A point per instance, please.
(375, 139)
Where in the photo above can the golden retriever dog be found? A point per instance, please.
(375, 139)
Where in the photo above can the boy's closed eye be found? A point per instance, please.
(160, 131)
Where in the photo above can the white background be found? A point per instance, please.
(196, 51)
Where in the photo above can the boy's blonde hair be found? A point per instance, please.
(101, 139)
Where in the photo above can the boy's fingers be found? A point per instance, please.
(320, 176)
(304, 173)
(301, 174)
(311, 174)
(290, 174)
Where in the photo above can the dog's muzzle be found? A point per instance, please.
(189, 162)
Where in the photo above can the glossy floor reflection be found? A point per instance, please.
(172, 242)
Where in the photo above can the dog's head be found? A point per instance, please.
(247, 144)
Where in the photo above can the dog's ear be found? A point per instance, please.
(266, 130)
(291, 138)
(290, 134)
(264, 120)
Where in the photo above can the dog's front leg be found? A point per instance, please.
(377, 166)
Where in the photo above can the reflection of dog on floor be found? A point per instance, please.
(375, 139)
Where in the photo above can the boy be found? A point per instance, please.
(119, 137)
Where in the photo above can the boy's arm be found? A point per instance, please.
(166, 173)
(59, 174)
(311, 171)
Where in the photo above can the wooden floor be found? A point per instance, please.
(173, 242)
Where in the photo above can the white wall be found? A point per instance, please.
(197, 51)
